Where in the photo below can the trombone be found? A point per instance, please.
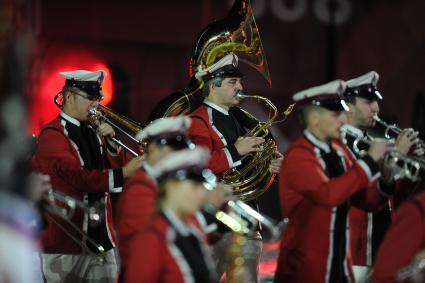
(51, 206)
(102, 113)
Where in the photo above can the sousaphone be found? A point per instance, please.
(237, 33)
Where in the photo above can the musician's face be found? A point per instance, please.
(185, 197)
(226, 93)
(362, 112)
(326, 124)
(78, 106)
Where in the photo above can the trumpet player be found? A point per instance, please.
(319, 181)
(368, 229)
(220, 126)
(83, 162)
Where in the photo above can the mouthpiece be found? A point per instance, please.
(240, 95)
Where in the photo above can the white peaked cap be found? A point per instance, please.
(230, 59)
(371, 77)
(334, 87)
(83, 75)
(165, 126)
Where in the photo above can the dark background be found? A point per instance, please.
(147, 45)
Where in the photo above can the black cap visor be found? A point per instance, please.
(197, 174)
(367, 91)
(228, 71)
(89, 89)
(176, 142)
(331, 102)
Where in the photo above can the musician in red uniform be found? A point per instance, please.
(82, 162)
(319, 181)
(404, 239)
(219, 125)
(171, 248)
(368, 229)
(137, 202)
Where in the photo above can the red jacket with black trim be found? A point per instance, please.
(309, 198)
(136, 206)
(156, 258)
(203, 133)
(403, 240)
(57, 156)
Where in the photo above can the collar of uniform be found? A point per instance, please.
(70, 119)
(149, 171)
(323, 146)
(216, 107)
(353, 130)
(179, 225)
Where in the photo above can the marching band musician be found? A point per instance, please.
(220, 126)
(319, 181)
(172, 248)
(368, 229)
(137, 202)
(404, 240)
(83, 162)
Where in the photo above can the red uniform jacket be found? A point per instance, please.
(310, 199)
(156, 256)
(135, 208)
(366, 233)
(58, 156)
(404, 238)
(203, 132)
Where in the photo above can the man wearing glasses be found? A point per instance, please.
(83, 162)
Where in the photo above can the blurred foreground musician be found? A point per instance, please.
(319, 181)
(368, 229)
(82, 162)
(404, 240)
(172, 248)
(136, 204)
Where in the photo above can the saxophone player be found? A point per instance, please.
(220, 126)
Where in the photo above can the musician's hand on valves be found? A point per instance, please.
(276, 162)
(245, 145)
(406, 140)
(131, 167)
(378, 149)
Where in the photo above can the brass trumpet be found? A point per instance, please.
(395, 129)
(103, 113)
(403, 165)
